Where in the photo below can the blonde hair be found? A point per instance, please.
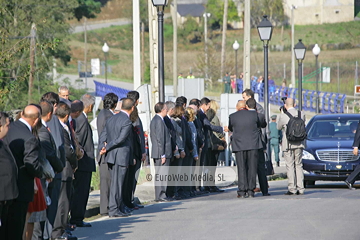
(190, 114)
(214, 105)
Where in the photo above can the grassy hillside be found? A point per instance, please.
(342, 36)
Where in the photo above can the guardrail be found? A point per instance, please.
(101, 89)
(328, 102)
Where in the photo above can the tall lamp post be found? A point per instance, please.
(300, 51)
(316, 51)
(265, 29)
(236, 46)
(105, 49)
(206, 16)
(160, 5)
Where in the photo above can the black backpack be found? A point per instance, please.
(295, 131)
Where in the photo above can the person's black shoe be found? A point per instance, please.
(266, 194)
(83, 224)
(138, 205)
(299, 193)
(289, 193)
(241, 196)
(278, 164)
(350, 186)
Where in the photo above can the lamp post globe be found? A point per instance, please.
(265, 29)
(316, 51)
(300, 51)
(236, 45)
(159, 3)
(105, 48)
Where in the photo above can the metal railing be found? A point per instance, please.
(328, 102)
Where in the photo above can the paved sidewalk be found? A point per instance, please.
(145, 192)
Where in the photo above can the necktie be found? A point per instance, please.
(72, 124)
(48, 129)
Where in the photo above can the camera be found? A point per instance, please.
(282, 108)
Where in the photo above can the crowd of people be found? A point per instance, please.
(48, 157)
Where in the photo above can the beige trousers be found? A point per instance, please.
(294, 169)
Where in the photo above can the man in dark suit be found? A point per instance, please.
(86, 165)
(261, 171)
(8, 175)
(207, 129)
(116, 137)
(161, 149)
(137, 124)
(245, 144)
(25, 149)
(61, 219)
(350, 180)
(109, 104)
(56, 131)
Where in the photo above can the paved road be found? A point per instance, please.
(73, 79)
(326, 211)
(117, 22)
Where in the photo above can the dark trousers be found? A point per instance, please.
(9, 228)
(247, 168)
(62, 214)
(261, 172)
(116, 204)
(13, 220)
(137, 167)
(160, 186)
(105, 182)
(213, 156)
(54, 193)
(171, 190)
(80, 197)
(129, 185)
(354, 175)
(187, 164)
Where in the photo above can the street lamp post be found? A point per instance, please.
(160, 5)
(316, 51)
(206, 16)
(300, 51)
(236, 46)
(265, 29)
(105, 49)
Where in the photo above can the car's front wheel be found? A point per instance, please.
(308, 183)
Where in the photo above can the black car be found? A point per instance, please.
(328, 153)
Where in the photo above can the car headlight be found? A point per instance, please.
(307, 155)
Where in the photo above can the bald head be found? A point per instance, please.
(240, 105)
(289, 103)
(31, 114)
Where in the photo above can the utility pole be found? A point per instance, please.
(32, 60)
(153, 48)
(175, 78)
(142, 51)
(223, 44)
(247, 34)
(292, 47)
(85, 52)
(206, 15)
(136, 44)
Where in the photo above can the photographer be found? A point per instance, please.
(292, 149)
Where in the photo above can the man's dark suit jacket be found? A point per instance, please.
(48, 147)
(139, 125)
(25, 149)
(245, 127)
(117, 134)
(57, 132)
(200, 133)
(8, 174)
(71, 159)
(160, 138)
(186, 135)
(263, 124)
(172, 132)
(356, 142)
(84, 135)
(207, 126)
(103, 116)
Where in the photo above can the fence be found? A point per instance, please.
(102, 89)
(328, 102)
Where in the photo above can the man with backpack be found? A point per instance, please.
(292, 124)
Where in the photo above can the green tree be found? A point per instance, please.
(216, 8)
(274, 9)
(87, 8)
(52, 31)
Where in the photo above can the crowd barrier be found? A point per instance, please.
(101, 89)
(328, 102)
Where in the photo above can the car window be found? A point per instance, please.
(332, 129)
